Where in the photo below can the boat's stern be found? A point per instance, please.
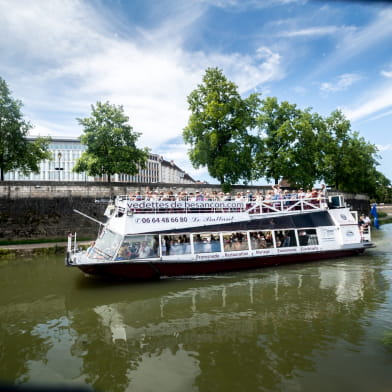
(74, 253)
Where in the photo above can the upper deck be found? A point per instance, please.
(143, 205)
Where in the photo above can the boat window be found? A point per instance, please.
(106, 245)
(307, 237)
(206, 242)
(261, 239)
(235, 241)
(285, 238)
(138, 247)
(175, 244)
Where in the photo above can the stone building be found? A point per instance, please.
(66, 151)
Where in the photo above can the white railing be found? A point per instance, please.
(124, 204)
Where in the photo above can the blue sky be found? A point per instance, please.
(59, 57)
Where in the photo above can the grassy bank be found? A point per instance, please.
(12, 253)
(39, 241)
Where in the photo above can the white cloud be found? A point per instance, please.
(380, 29)
(342, 83)
(316, 31)
(384, 147)
(242, 4)
(69, 58)
(387, 74)
(359, 40)
(375, 101)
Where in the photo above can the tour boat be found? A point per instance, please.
(146, 238)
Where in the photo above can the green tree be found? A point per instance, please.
(111, 143)
(350, 161)
(299, 162)
(16, 152)
(288, 145)
(219, 129)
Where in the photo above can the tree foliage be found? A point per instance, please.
(297, 145)
(288, 142)
(111, 143)
(350, 161)
(16, 152)
(218, 129)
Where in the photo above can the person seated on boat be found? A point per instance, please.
(303, 238)
(259, 196)
(199, 196)
(286, 240)
(367, 220)
(155, 196)
(301, 194)
(362, 225)
(90, 248)
(308, 194)
(314, 196)
(236, 244)
(144, 250)
(155, 245)
(215, 244)
(198, 244)
(133, 250)
(286, 197)
(276, 192)
(268, 201)
(167, 244)
(239, 196)
(322, 194)
(279, 239)
(123, 253)
(260, 241)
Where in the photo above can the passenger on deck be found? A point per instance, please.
(199, 196)
(286, 239)
(303, 238)
(259, 196)
(301, 194)
(323, 193)
(123, 253)
(90, 248)
(362, 225)
(144, 250)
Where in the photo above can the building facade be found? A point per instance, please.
(66, 151)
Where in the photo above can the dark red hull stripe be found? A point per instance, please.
(155, 270)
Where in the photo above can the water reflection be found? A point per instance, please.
(263, 330)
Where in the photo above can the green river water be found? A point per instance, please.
(321, 326)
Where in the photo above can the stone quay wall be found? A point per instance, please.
(44, 210)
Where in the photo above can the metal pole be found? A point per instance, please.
(59, 156)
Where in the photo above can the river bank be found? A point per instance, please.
(36, 249)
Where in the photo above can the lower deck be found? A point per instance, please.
(201, 246)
